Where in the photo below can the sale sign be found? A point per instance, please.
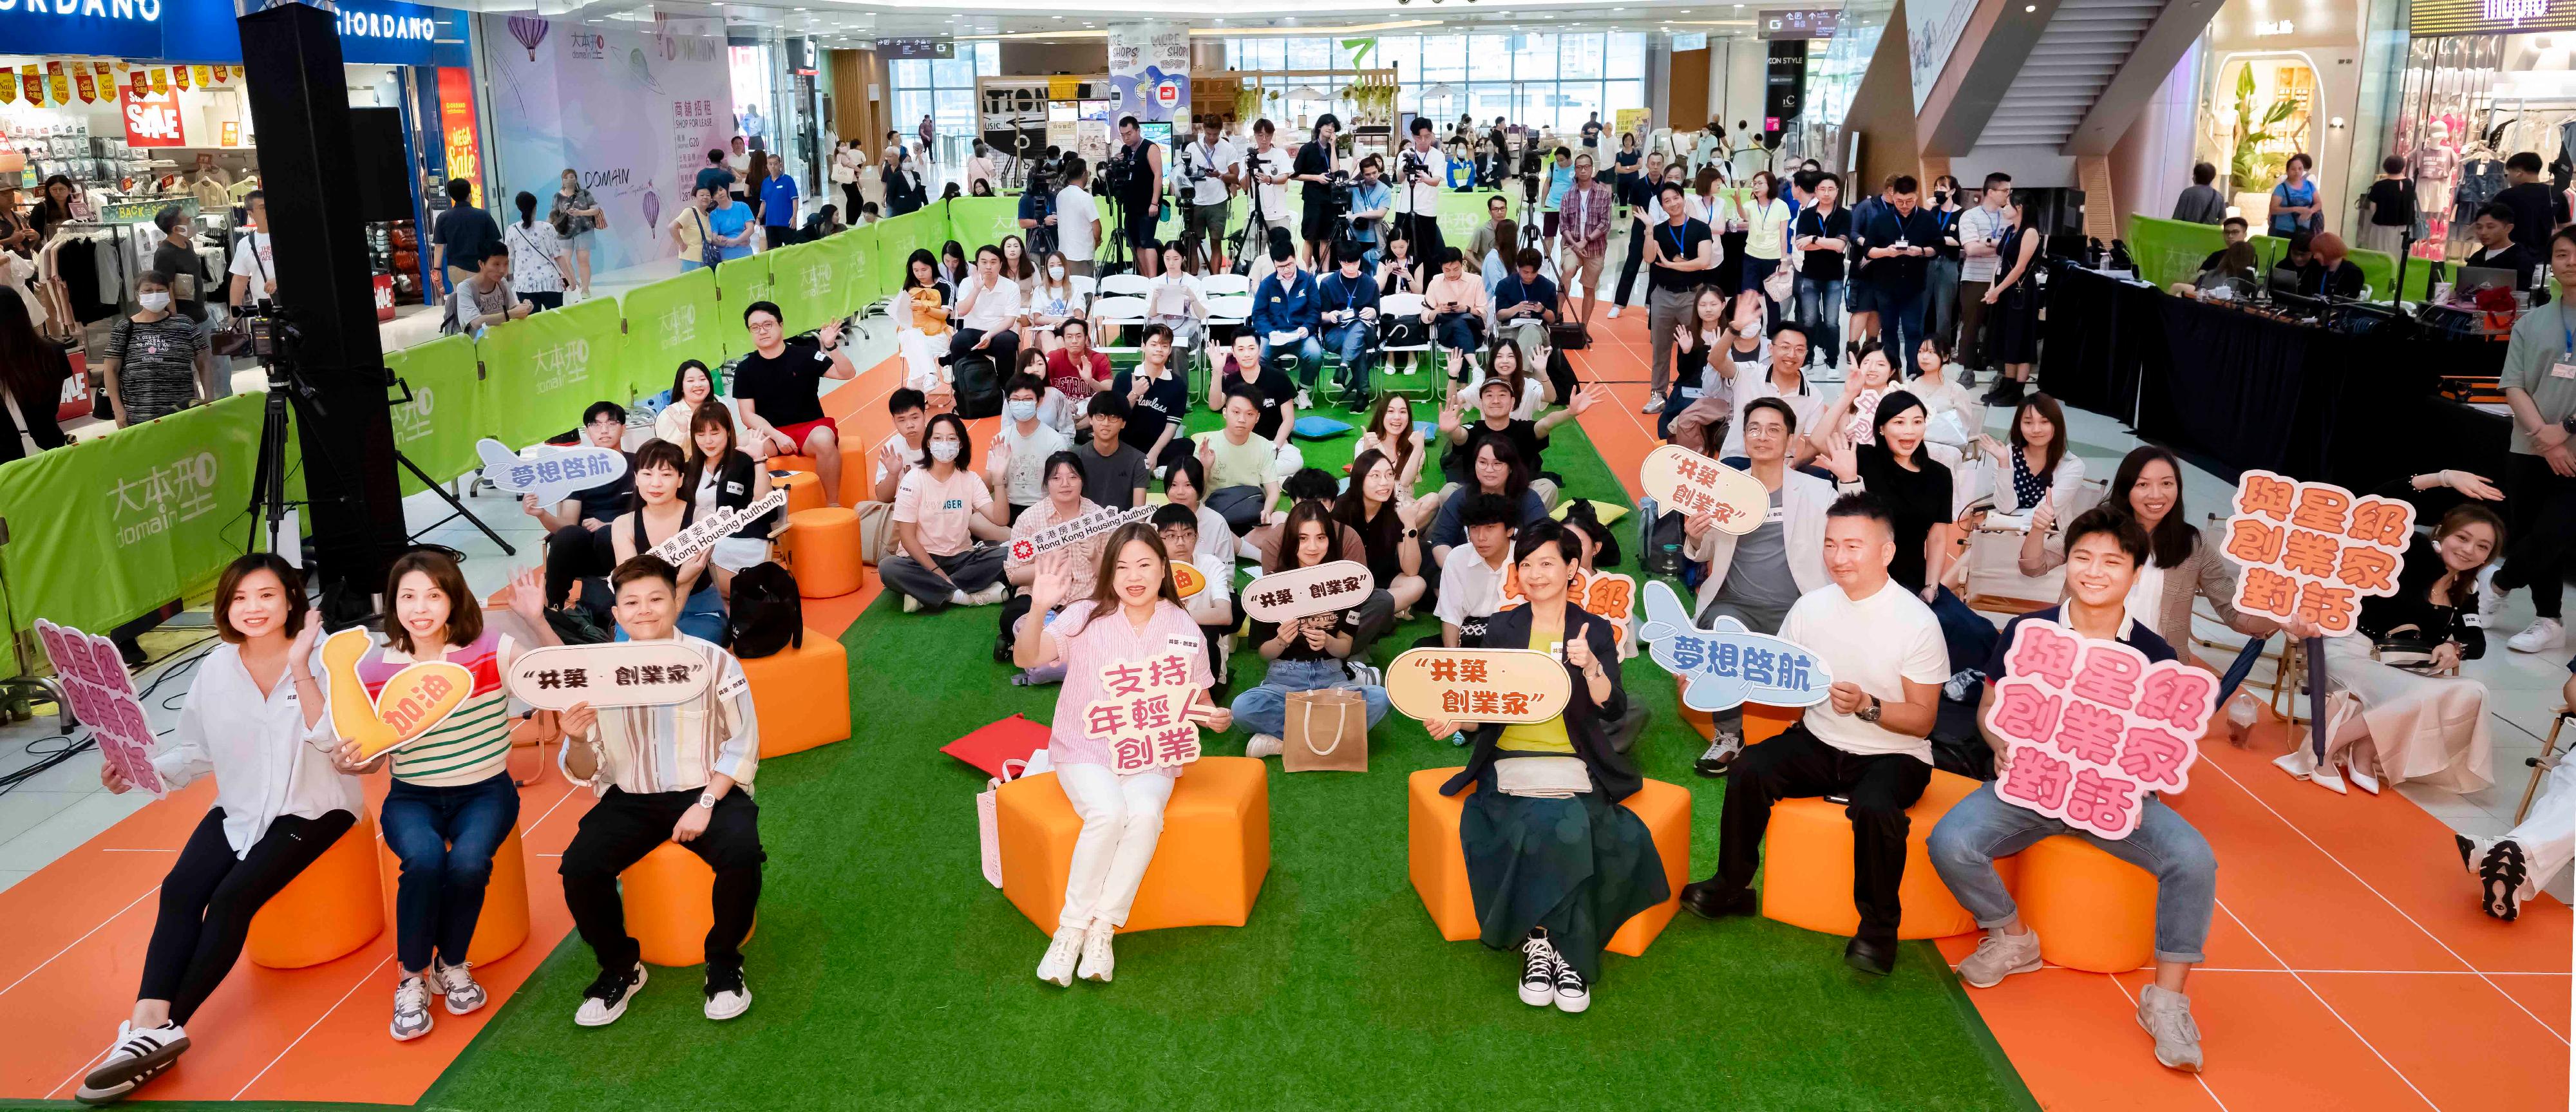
(151, 119)
(1146, 714)
(1075, 530)
(1685, 481)
(1284, 596)
(610, 674)
(1730, 665)
(2091, 727)
(2313, 551)
(102, 695)
(1478, 685)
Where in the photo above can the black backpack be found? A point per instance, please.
(979, 387)
(768, 614)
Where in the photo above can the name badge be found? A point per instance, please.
(1691, 391)
(1777, 515)
(2563, 369)
(1183, 642)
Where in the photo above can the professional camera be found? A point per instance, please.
(1337, 192)
(1120, 173)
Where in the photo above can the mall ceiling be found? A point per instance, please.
(849, 23)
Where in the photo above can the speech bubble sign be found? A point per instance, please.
(1286, 596)
(609, 674)
(552, 473)
(1730, 665)
(1062, 533)
(102, 695)
(1146, 716)
(1683, 480)
(2313, 551)
(1478, 685)
(726, 521)
(2091, 727)
(353, 711)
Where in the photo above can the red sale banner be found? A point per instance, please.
(88, 92)
(151, 119)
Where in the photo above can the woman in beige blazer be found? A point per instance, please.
(2185, 563)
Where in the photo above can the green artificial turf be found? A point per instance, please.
(887, 973)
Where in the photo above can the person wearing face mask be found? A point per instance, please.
(156, 362)
(1022, 447)
(940, 510)
(1063, 502)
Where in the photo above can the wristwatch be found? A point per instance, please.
(707, 800)
(1869, 711)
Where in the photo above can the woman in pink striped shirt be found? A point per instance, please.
(1133, 615)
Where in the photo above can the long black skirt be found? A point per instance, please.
(1579, 867)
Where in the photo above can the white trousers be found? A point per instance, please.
(2548, 834)
(1122, 818)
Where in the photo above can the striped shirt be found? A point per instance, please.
(681, 746)
(473, 743)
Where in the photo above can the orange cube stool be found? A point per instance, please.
(329, 910)
(1438, 862)
(1208, 864)
(2093, 911)
(670, 905)
(503, 926)
(822, 548)
(789, 463)
(1807, 866)
(1761, 721)
(804, 490)
(802, 694)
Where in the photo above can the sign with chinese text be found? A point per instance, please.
(1479, 685)
(1062, 533)
(703, 533)
(610, 674)
(410, 704)
(2313, 551)
(2092, 727)
(553, 474)
(1145, 715)
(1729, 665)
(1606, 594)
(1305, 592)
(1188, 579)
(102, 695)
(1685, 481)
(151, 119)
(1800, 24)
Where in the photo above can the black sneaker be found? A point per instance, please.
(2500, 875)
(1538, 971)
(606, 998)
(1572, 995)
(727, 995)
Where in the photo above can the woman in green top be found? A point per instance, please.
(1555, 876)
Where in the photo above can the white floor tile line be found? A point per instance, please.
(102, 924)
(2330, 1008)
(2196, 1075)
(2383, 898)
(317, 1022)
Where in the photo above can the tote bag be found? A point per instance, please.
(1327, 731)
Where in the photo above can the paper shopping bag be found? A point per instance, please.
(1327, 732)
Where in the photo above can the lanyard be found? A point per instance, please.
(2567, 329)
(1677, 241)
(1351, 296)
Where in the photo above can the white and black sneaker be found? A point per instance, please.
(727, 995)
(1365, 674)
(135, 1057)
(1572, 995)
(1720, 754)
(457, 984)
(1538, 971)
(606, 998)
(411, 1008)
(2501, 871)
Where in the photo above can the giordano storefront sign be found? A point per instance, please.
(2490, 17)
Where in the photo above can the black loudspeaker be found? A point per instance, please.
(383, 167)
(299, 101)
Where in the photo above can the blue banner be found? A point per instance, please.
(372, 32)
(122, 29)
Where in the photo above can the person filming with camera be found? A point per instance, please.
(1422, 167)
(1371, 202)
(1210, 169)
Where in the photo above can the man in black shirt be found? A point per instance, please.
(177, 259)
(1314, 165)
(1681, 253)
(578, 548)
(2493, 229)
(1822, 231)
(1113, 473)
(1140, 205)
(1638, 193)
(1897, 242)
(782, 384)
(463, 235)
(2537, 209)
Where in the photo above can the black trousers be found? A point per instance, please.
(1004, 350)
(2540, 506)
(209, 897)
(621, 828)
(1636, 257)
(575, 555)
(1426, 239)
(1795, 765)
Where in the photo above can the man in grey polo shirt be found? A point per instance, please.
(1981, 235)
(2540, 474)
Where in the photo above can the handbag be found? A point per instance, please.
(1568, 336)
(2404, 647)
(26, 440)
(988, 819)
(876, 531)
(1543, 777)
(1778, 286)
(1327, 731)
(710, 252)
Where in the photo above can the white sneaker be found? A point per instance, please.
(1098, 959)
(411, 1009)
(994, 595)
(2000, 956)
(958, 597)
(2490, 600)
(135, 1057)
(1056, 968)
(1654, 404)
(457, 984)
(727, 994)
(1572, 995)
(2542, 635)
(1614, 312)
(607, 997)
(1264, 745)
(911, 605)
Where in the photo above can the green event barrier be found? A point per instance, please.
(437, 428)
(805, 282)
(898, 238)
(540, 373)
(2170, 251)
(739, 282)
(103, 531)
(668, 322)
(975, 221)
(854, 260)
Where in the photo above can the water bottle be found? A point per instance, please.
(2241, 713)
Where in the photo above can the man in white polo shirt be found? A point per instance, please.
(1868, 743)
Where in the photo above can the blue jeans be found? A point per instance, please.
(1900, 326)
(1969, 637)
(1310, 358)
(445, 838)
(1820, 312)
(1460, 332)
(1983, 827)
(1264, 709)
(1357, 343)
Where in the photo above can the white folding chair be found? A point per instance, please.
(1408, 305)
(1085, 285)
(1129, 284)
(1108, 315)
(1225, 285)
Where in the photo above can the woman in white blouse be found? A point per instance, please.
(693, 387)
(2039, 463)
(249, 720)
